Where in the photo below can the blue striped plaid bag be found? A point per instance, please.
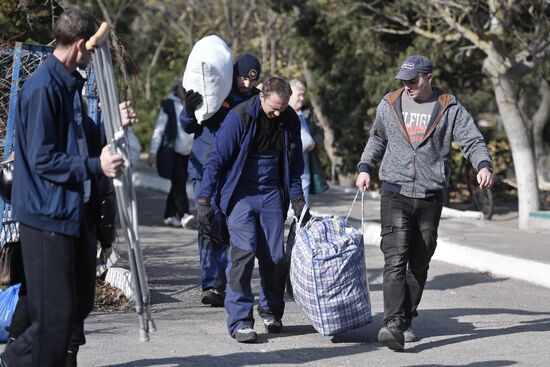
(329, 276)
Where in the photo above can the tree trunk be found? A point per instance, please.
(329, 142)
(540, 119)
(522, 154)
(152, 65)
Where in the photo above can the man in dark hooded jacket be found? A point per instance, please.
(213, 237)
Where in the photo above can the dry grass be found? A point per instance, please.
(108, 298)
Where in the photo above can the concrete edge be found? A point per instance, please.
(495, 264)
(147, 181)
(472, 258)
(120, 278)
(455, 213)
(480, 260)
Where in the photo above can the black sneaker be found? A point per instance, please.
(213, 297)
(409, 335)
(392, 337)
(273, 325)
(246, 335)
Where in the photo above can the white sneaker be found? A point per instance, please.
(188, 221)
(172, 221)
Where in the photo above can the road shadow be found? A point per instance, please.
(445, 323)
(459, 280)
(440, 282)
(293, 330)
(294, 356)
(498, 363)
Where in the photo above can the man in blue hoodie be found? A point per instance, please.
(57, 161)
(213, 237)
(411, 136)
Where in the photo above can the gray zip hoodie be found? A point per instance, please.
(425, 170)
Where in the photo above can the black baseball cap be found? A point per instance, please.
(414, 65)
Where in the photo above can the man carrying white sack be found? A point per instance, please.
(213, 237)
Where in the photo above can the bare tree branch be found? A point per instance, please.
(465, 32)
(118, 48)
(152, 65)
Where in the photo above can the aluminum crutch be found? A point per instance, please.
(98, 45)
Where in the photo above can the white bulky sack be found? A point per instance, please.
(209, 71)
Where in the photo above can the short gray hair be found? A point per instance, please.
(297, 84)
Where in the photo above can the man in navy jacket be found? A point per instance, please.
(257, 160)
(53, 174)
(213, 236)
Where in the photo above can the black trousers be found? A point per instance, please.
(60, 280)
(409, 239)
(177, 203)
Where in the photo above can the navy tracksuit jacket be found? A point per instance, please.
(255, 192)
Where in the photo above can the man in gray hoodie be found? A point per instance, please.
(411, 136)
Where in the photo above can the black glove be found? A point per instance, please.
(205, 213)
(192, 101)
(298, 205)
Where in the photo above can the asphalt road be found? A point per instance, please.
(466, 319)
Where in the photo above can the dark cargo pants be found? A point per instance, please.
(409, 239)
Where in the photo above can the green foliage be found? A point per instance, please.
(352, 51)
(27, 21)
(499, 148)
(342, 55)
(147, 110)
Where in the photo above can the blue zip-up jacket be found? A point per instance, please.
(49, 170)
(206, 132)
(231, 148)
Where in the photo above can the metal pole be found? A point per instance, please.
(125, 194)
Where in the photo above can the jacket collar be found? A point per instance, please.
(61, 74)
(255, 106)
(444, 100)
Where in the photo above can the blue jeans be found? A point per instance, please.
(409, 239)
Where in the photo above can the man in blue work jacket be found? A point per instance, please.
(257, 159)
(54, 177)
(213, 237)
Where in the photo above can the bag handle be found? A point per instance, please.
(298, 226)
(302, 215)
(362, 208)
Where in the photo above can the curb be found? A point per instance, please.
(493, 263)
(120, 278)
(469, 257)
(147, 181)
